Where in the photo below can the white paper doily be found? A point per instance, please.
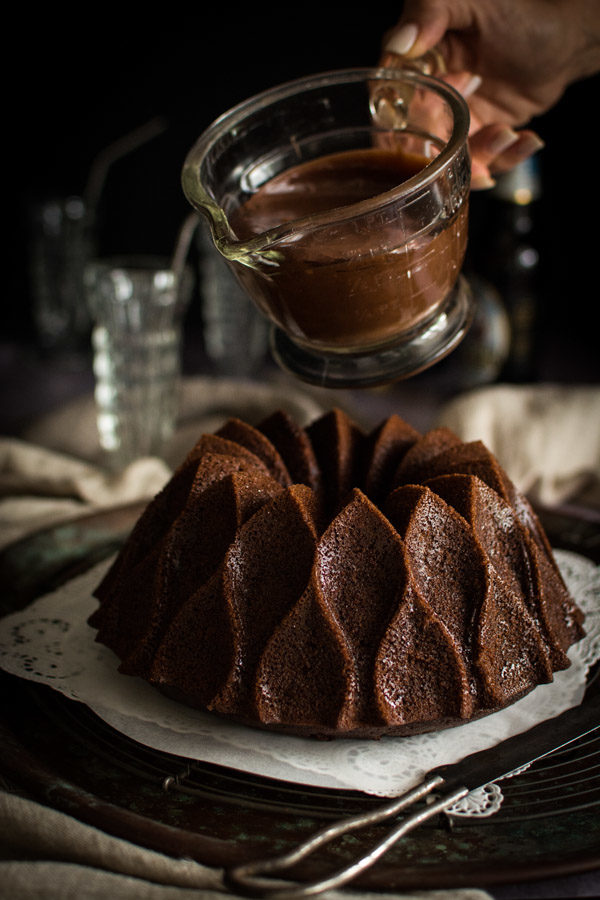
(50, 642)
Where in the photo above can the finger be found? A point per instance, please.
(485, 146)
(424, 24)
(527, 145)
(496, 149)
(421, 27)
(481, 177)
(466, 83)
(491, 141)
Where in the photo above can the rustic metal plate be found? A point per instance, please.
(62, 754)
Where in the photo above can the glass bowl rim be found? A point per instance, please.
(223, 124)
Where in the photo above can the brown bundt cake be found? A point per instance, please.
(326, 581)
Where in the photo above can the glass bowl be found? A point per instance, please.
(359, 275)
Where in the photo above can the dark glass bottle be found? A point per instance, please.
(510, 255)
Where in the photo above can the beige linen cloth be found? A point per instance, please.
(548, 438)
(56, 470)
(51, 856)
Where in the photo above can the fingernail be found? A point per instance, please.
(402, 40)
(502, 141)
(530, 144)
(472, 85)
(482, 182)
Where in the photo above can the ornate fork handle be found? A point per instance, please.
(253, 879)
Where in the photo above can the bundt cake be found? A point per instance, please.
(327, 581)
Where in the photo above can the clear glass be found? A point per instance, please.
(363, 293)
(137, 307)
(235, 334)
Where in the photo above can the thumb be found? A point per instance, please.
(422, 26)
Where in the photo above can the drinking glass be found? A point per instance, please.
(235, 334)
(137, 306)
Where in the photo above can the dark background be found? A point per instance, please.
(83, 80)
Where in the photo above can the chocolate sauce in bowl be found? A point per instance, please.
(352, 282)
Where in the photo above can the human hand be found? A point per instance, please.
(511, 59)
